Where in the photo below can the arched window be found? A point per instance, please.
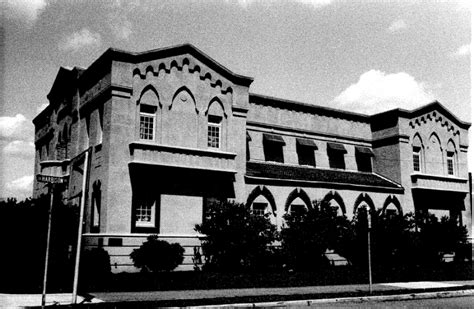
(392, 207)
(261, 202)
(298, 201)
(215, 124)
(417, 145)
(451, 158)
(336, 202)
(148, 106)
(363, 201)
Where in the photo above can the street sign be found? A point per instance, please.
(50, 179)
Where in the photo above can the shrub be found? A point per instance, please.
(306, 236)
(235, 239)
(157, 255)
(95, 268)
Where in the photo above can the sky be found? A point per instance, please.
(362, 56)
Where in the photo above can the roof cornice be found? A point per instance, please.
(113, 54)
(400, 112)
(298, 106)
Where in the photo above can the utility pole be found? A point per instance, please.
(48, 239)
(369, 226)
(79, 231)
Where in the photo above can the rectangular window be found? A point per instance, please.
(305, 150)
(145, 214)
(214, 132)
(364, 159)
(259, 209)
(450, 164)
(336, 153)
(147, 122)
(416, 160)
(273, 147)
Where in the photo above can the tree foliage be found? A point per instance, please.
(236, 239)
(307, 235)
(157, 255)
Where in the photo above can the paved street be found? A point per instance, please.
(452, 302)
(249, 296)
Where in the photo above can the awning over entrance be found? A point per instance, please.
(438, 199)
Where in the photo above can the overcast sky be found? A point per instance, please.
(363, 56)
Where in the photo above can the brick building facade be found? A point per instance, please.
(170, 130)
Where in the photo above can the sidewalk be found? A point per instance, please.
(235, 296)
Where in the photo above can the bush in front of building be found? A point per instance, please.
(95, 268)
(307, 235)
(236, 239)
(156, 255)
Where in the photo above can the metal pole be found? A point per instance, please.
(369, 225)
(79, 231)
(48, 237)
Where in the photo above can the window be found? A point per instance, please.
(259, 209)
(416, 159)
(305, 150)
(214, 131)
(336, 155)
(147, 122)
(145, 213)
(297, 209)
(450, 163)
(273, 147)
(364, 159)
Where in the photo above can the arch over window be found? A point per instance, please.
(451, 158)
(263, 191)
(418, 153)
(392, 200)
(216, 127)
(183, 99)
(149, 96)
(364, 198)
(216, 108)
(295, 194)
(434, 155)
(334, 196)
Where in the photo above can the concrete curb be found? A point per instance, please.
(380, 298)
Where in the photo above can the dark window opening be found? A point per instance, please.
(305, 155)
(259, 209)
(305, 149)
(364, 163)
(336, 159)
(273, 147)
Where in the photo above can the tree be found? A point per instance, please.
(236, 239)
(307, 235)
(157, 255)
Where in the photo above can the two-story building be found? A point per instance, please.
(170, 130)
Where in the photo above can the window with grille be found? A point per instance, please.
(147, 122)
(145, 215)
(214, 132)
(259, 209)
(416, 160)
(450, 163)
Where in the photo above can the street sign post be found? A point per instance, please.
(50, 179)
